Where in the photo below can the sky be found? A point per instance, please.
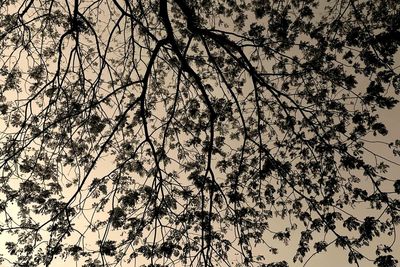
(332, 258)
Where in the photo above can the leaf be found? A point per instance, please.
(386, 261)
(396, 186)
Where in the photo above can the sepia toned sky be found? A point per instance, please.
(333, 257)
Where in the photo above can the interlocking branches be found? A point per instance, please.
(197, 133)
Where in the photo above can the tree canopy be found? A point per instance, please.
(198, 133)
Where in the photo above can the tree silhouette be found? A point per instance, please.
(197, 133)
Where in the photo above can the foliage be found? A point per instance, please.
(197, 132)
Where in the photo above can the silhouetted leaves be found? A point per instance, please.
(197, 132)
(386, 261)
(397, 186)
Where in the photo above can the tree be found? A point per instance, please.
(180, 132)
